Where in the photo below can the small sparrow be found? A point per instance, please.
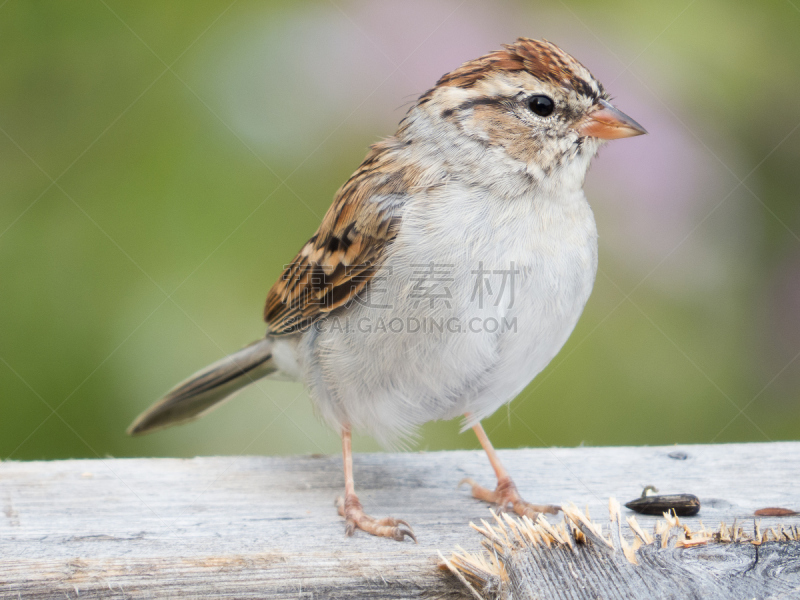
(448, 272)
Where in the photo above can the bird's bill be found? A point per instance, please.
(608, 123)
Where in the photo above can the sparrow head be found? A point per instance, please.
(531, 102)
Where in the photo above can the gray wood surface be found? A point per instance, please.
(265, 527)
(574, 559)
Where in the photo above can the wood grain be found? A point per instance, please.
(265, 527)
(577, 560)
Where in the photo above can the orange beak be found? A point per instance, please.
(607, 123)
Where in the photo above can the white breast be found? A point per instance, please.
(507, 282)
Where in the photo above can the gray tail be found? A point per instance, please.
(206, 389)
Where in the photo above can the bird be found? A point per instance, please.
(449, 270)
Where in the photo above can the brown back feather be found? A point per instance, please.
(336, 264)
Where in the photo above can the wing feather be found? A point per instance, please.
(340, 259)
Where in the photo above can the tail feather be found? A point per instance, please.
(206, 389)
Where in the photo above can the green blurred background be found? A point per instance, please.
(160, 163)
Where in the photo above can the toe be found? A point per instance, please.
(506, 497)
(355, 518)
(532, 511)
(480, 492)
(399, 529)
(395, 531)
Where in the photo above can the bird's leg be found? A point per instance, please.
(505, 495)
(350, 507)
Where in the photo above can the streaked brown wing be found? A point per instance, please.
(349, 246)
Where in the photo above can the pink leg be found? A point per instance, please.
(350, 507)
(505, 495)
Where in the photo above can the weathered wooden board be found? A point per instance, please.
(265, 527)
(577, 560)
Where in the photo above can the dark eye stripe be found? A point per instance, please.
(486, 101)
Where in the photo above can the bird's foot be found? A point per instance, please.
(506, 497)
(350, 508)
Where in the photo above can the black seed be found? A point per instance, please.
(682, 505)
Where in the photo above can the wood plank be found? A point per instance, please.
(265, 527)
(574, 559)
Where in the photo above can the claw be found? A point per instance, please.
(506, 497)
(355, 518)
(404, 523)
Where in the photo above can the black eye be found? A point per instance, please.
(541, 105)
